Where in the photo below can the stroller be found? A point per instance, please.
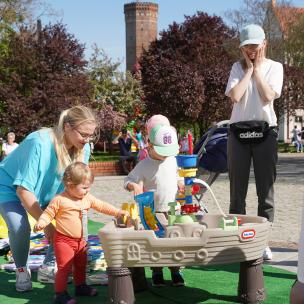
(212, 155)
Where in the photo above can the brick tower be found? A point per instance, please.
(141, 29)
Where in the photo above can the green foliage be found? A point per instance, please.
(120, 90)
(16, 13)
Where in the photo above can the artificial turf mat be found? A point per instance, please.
(204, 285)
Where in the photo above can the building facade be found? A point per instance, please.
(141, 29)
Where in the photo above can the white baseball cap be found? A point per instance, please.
(164, 140)
(252, 34)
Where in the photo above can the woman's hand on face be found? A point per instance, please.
(260, 56)
(249, 63)
(49, 231)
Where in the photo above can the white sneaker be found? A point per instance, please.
(267, 254)
(46, 273)
(23, 279)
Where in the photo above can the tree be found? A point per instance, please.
(15, 14)
(41, 74)
(117, 95)
(109, 121)
(294, 42)
(185, 72)
(292, 92)
(120, 90)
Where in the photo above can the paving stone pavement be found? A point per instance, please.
(289, 200)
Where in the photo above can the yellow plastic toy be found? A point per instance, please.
(149, 217)
(187, 172)
(134, 214)
(180, 197)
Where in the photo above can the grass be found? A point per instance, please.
(286, 147)
(209, 285)
(104, 156)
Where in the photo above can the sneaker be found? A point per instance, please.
(63, 298)
(177, 279)
(23, 279)
(158, 279)
(46, 273)
(267, 254)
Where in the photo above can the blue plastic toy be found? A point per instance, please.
(145, 203)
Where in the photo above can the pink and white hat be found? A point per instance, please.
(156, 120)
(164, 140)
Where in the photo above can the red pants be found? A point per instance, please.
(69, 252)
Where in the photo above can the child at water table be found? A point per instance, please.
(158, 173)
(69, 244)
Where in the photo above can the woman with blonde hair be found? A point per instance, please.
(33, 176)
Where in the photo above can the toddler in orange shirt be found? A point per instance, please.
(69, 243)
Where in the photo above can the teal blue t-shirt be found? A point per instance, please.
(33, 165)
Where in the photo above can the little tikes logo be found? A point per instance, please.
(251, 135)
(248, 234)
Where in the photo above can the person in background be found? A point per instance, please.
(10, 145)
(32, 175)
(124, 139)
(143, 144)
(138, 136)
(254, 83)
(158, 173)
(69, 243)
(184, 146)
(296, 139)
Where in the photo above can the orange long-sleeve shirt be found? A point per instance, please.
(68, 213)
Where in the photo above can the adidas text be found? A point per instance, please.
(251, 135)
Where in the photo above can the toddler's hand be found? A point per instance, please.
(125, 216)
(38, 227)
(137, 189)
(181, 187)
(123, 213)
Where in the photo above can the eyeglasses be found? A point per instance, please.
(88, 137)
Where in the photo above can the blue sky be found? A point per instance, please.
(102, 21)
